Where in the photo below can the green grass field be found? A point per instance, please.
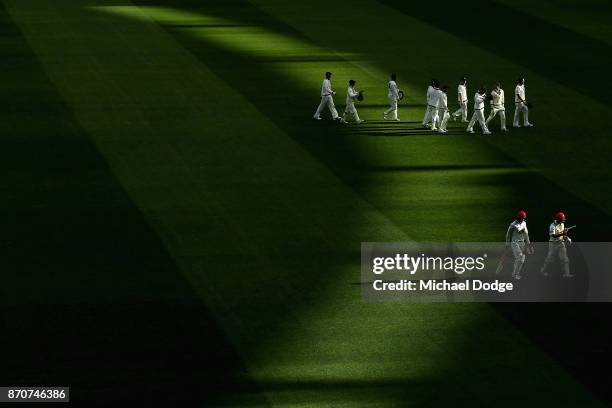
(177, 224)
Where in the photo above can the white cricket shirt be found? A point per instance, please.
(462, 93)
(519, 91)
(326, 87)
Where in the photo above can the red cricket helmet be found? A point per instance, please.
(560, 216)
(521, 214)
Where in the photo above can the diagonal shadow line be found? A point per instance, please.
(536, 192)
(571, 59)
(533, 188)
(408, 168)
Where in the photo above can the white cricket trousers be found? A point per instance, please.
(329, 102)
(350, 109)
(462, 111)
(518, 108)
(478, 116)
(431, 114)
(502, 115)
(518, 252)
(392, 108)
(557, 250)
(445, 116)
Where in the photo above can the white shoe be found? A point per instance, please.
(360, 121)
(454, 118)
(396, 119)
(486, 132)
(317, 117)
(529, 125)
(434, 129)
(516, 126)
(469, 130)
(443, 131)
(384, 116)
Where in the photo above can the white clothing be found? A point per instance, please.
(479, 101)
(392, 95)
(393, 90)
(329, 102)
(517, 236)
(462, 93)
(517, 232)
(326, 88)
(443, 114)
(518, 108)
(519, 93)
(497, 106)
(351, 95)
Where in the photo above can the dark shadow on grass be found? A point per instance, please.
(576, 335)
(402, 133)
(571, 59)
(90, 297)
(425, 391)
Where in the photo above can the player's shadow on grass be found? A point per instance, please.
(399, 131)
(384, 107)
(385, 124)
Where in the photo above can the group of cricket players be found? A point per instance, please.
(437, 113)
(517, 240)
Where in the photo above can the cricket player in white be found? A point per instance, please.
(497, 106)
(556, 246)
(520, 104)
(463, 101)
(393, 96)
(327, 99)
(478, 115)
(431, 114)
(351, 95)
(437, 118)
(443, 112)
(517, 238)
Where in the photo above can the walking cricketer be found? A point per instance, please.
(463, 101)
(517, 239)
(497, 106)
(327, 99)
(393, 96)
(478, 115)
(557, 246)
(520, 105)
(432, 105)
(351, 96)
(443, 112)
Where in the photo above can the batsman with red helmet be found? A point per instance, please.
(557, 245)
(517, 238)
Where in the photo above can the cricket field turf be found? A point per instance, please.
(180, 232)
